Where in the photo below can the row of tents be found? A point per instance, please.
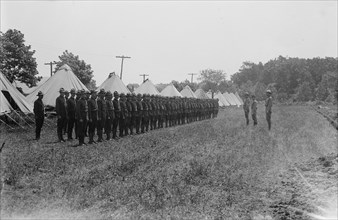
(11, 99)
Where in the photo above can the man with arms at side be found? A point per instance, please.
(39, 111)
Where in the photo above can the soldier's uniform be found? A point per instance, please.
(168, 112)
(78, 96)
(152, 110)
(254, 110)
(133, 113)
(117, 110)
(102, 114)
(39, 112)
(123, 114)
(139, 113)
(110, 114)
(61, 111)
(65, 128)
(161, 112)
(92, 115)
(246, 107)
(145, 115)
(268, 108)
(128, 114)
(81, 116)
(71, 109)
(87, 97)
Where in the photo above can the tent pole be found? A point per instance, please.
(22, 119)
(6, 124)
(14, 121)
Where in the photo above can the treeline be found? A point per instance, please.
(291, 79)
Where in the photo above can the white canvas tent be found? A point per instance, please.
(222, 102)
(114, 83)
(63, 78)
(209, 94)
(228, 97)
(28, 90)
(187, 92)
(201, 94)
(147, 87)
(170, 91)
(5, 107)
(239, 98)
(238, 103)
(11, 98)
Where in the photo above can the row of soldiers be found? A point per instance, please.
(125, 114)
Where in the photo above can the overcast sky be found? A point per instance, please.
(169, 39)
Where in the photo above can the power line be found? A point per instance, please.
(51, 63)
(144, 76)
(122, 57)
(192, 76)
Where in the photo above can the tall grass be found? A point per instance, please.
(216, 169)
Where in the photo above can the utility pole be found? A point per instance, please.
(192, 76)
(122, 57)
(51, 63)
(144, 76)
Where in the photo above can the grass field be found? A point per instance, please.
(213, 169)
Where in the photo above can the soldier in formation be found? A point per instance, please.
(118, 115)
(61, 112)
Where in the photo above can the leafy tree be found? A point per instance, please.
(260, 91)
(160, 86)
(327, 86)
(82, 70)
(16, 58)
(178, 85)
(305, 92)
(290, 76)
(132, 86)
(212, 79)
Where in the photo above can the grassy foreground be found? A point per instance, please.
(213, 169)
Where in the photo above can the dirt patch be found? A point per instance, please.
(307, 190)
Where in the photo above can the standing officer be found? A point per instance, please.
(254, 109)
(246, 107)
(39, 111)
(71, 109)
(110, 114)
(81, 116)
(61, 111)
(117, 110)
(102, 114)
(268, 107)
(92, 116)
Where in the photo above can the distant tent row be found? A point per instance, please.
(11, 98)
